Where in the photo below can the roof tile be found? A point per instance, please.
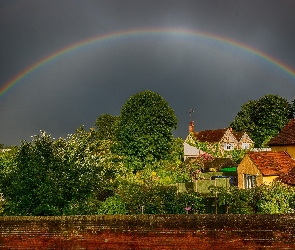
(272, 163)
(288, 178)
(286, 136)
(210, 135)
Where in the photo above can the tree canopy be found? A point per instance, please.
(264, 118)
(144, 128)
(105, 126)
(59, 177)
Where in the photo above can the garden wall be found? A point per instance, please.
(191, 231)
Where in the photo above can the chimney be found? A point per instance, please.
(191, 127)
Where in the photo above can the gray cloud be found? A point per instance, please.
(189, 72)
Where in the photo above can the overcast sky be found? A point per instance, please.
(188, 70)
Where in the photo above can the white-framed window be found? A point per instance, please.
(249, 181)
(228, 146)
(245, 145)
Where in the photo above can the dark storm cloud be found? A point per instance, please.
(74, 89)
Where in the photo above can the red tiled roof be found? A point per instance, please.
(288, 178)
(286, 136)
(272, 163)
(210, 135)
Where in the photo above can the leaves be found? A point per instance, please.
(264, 118)
(266, 199)
(61, 177)
(144, 128)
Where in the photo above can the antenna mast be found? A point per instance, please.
(191, 111)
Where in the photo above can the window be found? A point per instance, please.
(249, 181)
(228, 146)
(245, 145)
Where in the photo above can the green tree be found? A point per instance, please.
(144, 128)
(60, 177)
(262, 119)
(292, 112)
(105, 126)
(7, 164)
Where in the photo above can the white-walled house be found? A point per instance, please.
(226, 138)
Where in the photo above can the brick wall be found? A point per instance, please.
(149, 232)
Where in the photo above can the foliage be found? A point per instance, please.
(105, 126)
(266, 199)
(57, 177)
(276, 199)
(112, 205)
(2, 203)
(7, 165)
(213, 149)
(238, 201)
(144, 129)
(154, 198)
(264, 118)
(292, 109)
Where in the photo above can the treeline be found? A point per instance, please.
(126, 164)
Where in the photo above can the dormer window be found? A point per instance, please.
(228, 146)
(245, 145)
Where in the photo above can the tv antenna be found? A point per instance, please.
(191, 111)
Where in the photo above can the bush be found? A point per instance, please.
(157, 199)
(265, 199)
(112, 205)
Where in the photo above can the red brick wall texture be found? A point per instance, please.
(149, 232)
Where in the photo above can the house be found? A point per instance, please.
(226, 138)
(285, 140)
(257, 168)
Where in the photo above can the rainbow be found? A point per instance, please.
(129, 33)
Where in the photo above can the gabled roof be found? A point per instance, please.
(210, 135)
(215, 135)
(272, 163)
(286, 136)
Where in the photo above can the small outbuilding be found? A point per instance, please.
(257, 168)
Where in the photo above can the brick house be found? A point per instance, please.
(226, 138)
(285, 140)
(257, 168)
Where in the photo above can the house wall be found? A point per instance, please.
(190, 151)
(245, 139)
(248, 167)
(289, 149)
(186, 232)
(228, 138)
(269, 179)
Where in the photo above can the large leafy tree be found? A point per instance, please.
(264, 118)
(144, 128)
(59, 177)
(105, 126)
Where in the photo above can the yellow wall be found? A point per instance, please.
(248, 167)
(269, 179)
(289, 149)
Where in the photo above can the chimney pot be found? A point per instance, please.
(191, 127)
